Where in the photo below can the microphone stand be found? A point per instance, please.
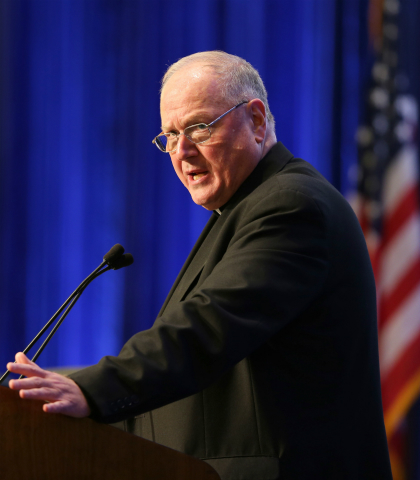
(114, 259)
(74, 297)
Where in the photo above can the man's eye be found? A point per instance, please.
(201, 126)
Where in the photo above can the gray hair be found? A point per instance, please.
(239, 80)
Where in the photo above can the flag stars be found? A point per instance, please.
(406, 128)
(380, 72)
(369, 160)
(390, 57)
(371, 184)
(379, 97)
(381, 149)
(405, 132)
(380, 124)
(364, 136)
(392, 7)
(391, 31)
(401, 82)
(406, 106)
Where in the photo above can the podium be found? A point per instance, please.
(35, 445)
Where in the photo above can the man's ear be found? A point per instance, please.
(257, 110)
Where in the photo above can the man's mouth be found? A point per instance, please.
(196, 175)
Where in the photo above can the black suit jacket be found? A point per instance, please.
(263, 360)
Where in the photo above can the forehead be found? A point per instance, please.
(190, 91)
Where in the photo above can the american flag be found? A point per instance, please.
(387, 205)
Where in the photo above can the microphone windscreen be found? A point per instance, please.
(116, 251)
(123, 261)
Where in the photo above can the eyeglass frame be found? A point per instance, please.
(156, 141)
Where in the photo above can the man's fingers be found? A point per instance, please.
(74, 409)
(64, 398)
(43, 393)
(35, 388)
(22, 358)
(29, 370)
(24, 366)
(57, 407)
(31, 382)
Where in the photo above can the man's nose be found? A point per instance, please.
(185, 148)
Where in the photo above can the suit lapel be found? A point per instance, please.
(207, 229)
(197, 263)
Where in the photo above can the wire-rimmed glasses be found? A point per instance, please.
(199, 133)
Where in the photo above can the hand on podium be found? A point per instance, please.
(62, 393)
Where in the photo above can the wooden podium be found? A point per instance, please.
(39, 446)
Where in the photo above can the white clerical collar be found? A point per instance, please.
(218, 211)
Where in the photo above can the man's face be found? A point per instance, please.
(212, 171)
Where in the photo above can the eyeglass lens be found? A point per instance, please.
(195, 133)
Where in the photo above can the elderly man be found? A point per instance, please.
(263, 360)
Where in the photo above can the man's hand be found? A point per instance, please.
(62, 393)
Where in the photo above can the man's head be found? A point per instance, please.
(198, 89)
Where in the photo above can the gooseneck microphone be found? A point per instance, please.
(113, 260)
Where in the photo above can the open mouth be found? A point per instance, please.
(197, 175)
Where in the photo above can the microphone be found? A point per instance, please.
(116, 251)
(122, 261)
(114, 259)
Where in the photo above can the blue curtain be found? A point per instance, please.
(79, 93)
(79, 106)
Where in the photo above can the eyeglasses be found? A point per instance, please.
(200, 133)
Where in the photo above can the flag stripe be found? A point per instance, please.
(399, 332)
(390, 303)
(406, 208)
(401, 175)
(402, 403)
(406, 367)
(398, 255)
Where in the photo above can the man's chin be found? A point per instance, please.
(206, 203)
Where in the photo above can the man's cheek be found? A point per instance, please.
(180, 175)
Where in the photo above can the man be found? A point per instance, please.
(263, 360)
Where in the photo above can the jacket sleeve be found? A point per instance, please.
(274, 264)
